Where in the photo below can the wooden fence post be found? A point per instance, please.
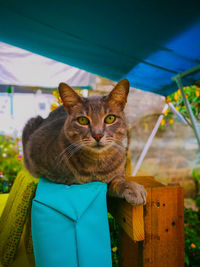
(153, 235)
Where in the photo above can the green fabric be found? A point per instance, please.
(14, 216)
(3, 200)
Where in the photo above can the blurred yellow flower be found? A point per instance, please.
(162, 122)
(114, 249)
(55, 93)
(179, 92)
(54, 106)
(193, 245)
(171, 121)
(167, 99)
(166, 112)
(176, 96)
(177, 108)
(197, 93)
(57, 96)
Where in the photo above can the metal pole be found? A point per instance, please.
(188, 107)
(149, 142)
(187, 72)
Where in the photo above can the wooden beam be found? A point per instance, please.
(159, 224)
(131, 218)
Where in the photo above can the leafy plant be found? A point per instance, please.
(10, 162)
(196, 178)
(192, 222)
(115, 242)
(192, 237)
(193, 95)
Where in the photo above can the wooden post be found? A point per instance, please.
(153, 235)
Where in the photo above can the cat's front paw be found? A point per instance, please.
(134, 193)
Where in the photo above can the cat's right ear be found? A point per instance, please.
(118, 96)
(69, 97)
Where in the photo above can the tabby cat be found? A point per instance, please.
(81, 142)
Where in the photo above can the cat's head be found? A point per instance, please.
(96, 122)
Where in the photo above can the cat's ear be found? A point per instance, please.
(118, 96)
(69, 97)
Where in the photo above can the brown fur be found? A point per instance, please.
(62, 150)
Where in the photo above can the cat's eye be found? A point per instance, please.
(110, 119)
(83, 120)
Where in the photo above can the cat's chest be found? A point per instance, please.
(88, 169)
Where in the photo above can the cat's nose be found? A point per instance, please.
(97, 137)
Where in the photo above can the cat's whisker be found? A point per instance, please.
(71, 149)
(74, 144)
(69, 155)
(86, 141)
(118, 146)
(115, 141)
(60, 155)
(70, 146)
(67, 150)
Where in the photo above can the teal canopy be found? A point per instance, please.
(147, 42)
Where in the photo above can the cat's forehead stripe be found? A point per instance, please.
(94, 105)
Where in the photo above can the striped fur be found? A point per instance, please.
(62, 150)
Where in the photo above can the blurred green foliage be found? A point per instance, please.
(193, 95)
(115, 240)
(10, 162)
(192, 222)
(192, 237)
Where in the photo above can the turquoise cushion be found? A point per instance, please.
(70, 225)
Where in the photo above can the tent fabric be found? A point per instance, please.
(70, 225)
(147, 42)
(22, 68)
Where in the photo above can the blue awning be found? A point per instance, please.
(147, 42)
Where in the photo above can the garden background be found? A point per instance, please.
(172, 158)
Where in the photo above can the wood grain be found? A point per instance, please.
(159, 224)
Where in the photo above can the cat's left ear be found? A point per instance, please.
(118, 96)
(69, 97)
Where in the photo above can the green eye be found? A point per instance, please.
(110, 119)
(83, 120)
